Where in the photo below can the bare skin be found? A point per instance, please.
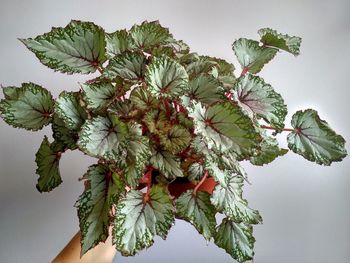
(102, 253)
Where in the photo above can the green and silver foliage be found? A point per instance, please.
(158, 114)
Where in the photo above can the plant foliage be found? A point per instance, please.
(158, 114)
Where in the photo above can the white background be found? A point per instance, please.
(305, 207)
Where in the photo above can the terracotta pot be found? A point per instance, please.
(176, 189)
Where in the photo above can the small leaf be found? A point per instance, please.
(251, 56)
(62, 134)
(149, 34)
(137, 157)
(166, 78)
(117, 43)
(95, 204)
(29, 107)
(197, 210)
(258, 97)
(128, 66)
(225, 127)
(137, 221)
(201, 65)
(314, 139)
(270, 37)
(102, 137)
(68, 108)
(47, 160)
(227, 197)
(195, 172)
(167, 163)
(176, 139)
(270, 150)
(205, 89)
(142, 98)
(77, 48)
(98, 95)
(236, 238)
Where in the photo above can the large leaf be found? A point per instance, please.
(258, 97)
(128, 66)
(166, 78)
(251, 56)
(271, 38)
(29, 107)
(206, 89)
(227, 197)
(314, 139)
(68, 108)
(118, 42)
(197, 209)
(137, 221)
(99, 95)
(102, 137)
(167, 163)
(226, 127)
(47, 160)
(77, 48)
(142, 98)
(236, 238)
(149, 34)
(94, 205)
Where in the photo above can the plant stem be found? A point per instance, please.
(148, 176)
(166, 106)
(244, 71)
(200, 182)
(272, 128)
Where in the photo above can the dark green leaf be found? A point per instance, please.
(251, 56)
(142, 98)
(166, 78)
(77, 48)
(47, 160)
(167, 163)
(102, 137)
(95, 204)
(236, 238)
(270, 37)
(258, 98)
(314, 139)
(29, 107)
(137, 221)
(176, 139)
(198, 210)
(68, 108)
(62, 134)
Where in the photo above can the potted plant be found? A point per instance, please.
(169, 129)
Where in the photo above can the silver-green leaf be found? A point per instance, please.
(251, 56)
(236, 239)
(270, 37)
(259, 98)
(95, 204)
(29, 107)
(314, 139)
(197, 209)
(98, 96)
(68, 108)
(168, 164)
(138, 221)
(166, 78)
(205, 89)
(117, 43)
(102, 137)
(77, 48)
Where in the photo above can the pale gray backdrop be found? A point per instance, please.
(305, 207)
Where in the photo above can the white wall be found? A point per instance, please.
(305, 207)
